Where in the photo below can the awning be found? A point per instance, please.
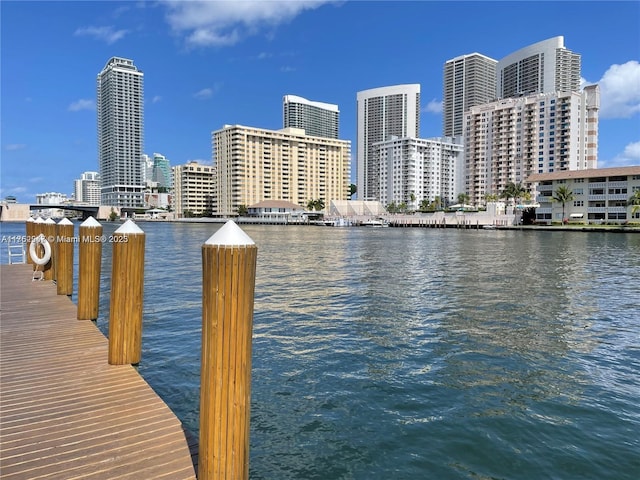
(576, 215)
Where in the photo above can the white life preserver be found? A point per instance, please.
(40, 239)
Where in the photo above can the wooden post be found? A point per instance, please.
(36, 229)
(89, 265)
(64, 257)
(49, 231)
(127, 288)
(29, 229)
(228, 283)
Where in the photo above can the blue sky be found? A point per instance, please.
(208, 63)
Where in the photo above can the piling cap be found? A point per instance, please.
(39, 220)
(65, 221)
(31, 219)
(90, 222)
(230, 234)
(49, 221)
(129, 227)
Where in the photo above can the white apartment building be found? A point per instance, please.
(317, 119)
(86, 189)
(417, 169)
(542, 67)
(381, 113)
(469, 80)
(508, 140)
(193, 189)
(120, 108)
(599, 195)
(255, 164)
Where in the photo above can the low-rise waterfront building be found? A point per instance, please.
(599, 195)
(193, 189)
(256, 164)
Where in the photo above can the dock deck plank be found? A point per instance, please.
(64, 411)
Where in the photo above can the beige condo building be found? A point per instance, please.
(256, 164)
(193, 189)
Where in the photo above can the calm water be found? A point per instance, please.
(416, 354)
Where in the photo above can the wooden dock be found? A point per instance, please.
(65, 413)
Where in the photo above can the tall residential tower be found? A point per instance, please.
(383, 112)
(469, 80)
(120, 133)
(317, 119)
(542, 67)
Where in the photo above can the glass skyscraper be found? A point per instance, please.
(120, 108)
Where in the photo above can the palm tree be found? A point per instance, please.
(463, 198)
(513, 190)
(563, 195)
(634, 201)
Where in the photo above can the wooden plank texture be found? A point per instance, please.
(65, 413)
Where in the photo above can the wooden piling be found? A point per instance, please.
(64, 257)
(36, 229)
(228, 283)
(127, 289)
(29, 229)
(49, 231)
(89, 265)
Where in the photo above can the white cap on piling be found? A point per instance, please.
(90, 222)
(31, 219)
(39, 220)
(65, 221)
(129, 227)
(49, 221)
(230, 234)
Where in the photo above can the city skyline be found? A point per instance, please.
(235, 65)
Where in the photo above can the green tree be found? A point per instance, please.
(316, 204)
(352, 190)
(513, 190)
(563, 195)
(424, 205)
(113, 215)
(243, 210)
(634, 201)
(463, 198)
(491, 197)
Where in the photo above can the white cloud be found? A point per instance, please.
(203, 94)
(107, 34)
(12, 147)
(619, 90)
(82, 104)
(156, 99)
(222, 23)
(287, 68)
(630, 156)
(434, 106)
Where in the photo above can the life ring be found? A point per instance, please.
(42, 240)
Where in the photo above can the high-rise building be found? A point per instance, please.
(382, 112)
(120, 107)
(510, 139)
(255, 164)
(543, 67)
(147, 170)
(414, 170)
(162, 171)
(317, 119)
(193, 189)
(469, 80)
(87, 188)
